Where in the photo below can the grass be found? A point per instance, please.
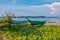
(28, 32)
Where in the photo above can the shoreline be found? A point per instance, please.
(57, 24)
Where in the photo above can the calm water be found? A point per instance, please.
(57, 20)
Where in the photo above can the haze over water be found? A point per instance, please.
(57, 20)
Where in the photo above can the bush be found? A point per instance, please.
(23, 32)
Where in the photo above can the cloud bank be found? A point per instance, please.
(32, 10)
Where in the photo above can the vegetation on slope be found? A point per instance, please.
(28, 32)
(25, 31)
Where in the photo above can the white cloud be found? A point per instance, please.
(45, 9)
(53, 7)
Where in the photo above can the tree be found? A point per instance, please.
(7, 18)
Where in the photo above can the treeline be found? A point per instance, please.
(30, 16)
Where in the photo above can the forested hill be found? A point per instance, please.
(33, 17)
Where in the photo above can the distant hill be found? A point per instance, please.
(33, 17)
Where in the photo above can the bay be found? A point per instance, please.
(57, 20)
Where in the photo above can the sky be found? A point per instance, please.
(31, 7)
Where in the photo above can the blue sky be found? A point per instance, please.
(31, 7)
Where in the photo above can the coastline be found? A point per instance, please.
(56, 24)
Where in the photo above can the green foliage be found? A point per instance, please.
(28, 32)
(8, 16)
(7, 19)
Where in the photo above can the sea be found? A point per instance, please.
(55, 20)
